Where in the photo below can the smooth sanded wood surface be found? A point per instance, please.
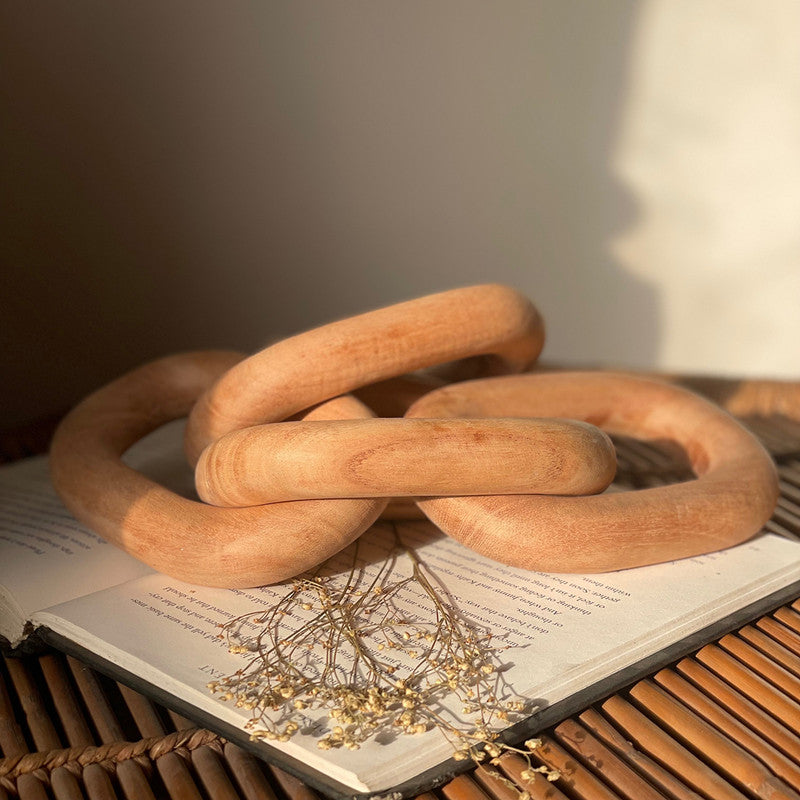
(296, 373)
(186, 539)
(733, 494)
(404, 457)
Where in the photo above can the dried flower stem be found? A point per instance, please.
(380, 651)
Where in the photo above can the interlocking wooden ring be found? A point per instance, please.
(188, 540)
(734, 494)
(747, 397)
(404, 457)
(299, 372)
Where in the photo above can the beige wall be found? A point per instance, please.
(183, 175)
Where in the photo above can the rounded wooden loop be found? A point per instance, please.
(404, 457)
(183, 538)
(749, 397)
(298, 372)
(732, 497)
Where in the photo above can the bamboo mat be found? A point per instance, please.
(721, 724)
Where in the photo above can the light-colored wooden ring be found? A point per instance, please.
(299, 372)
(183, 538)
(404, 457)
(734, 494)
(747, 397)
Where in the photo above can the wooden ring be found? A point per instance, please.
(404, 457)
(747, 397)
(733, 496)
(188, 540)
(299, 372)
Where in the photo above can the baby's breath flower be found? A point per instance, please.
(532, 744)
(330, 661)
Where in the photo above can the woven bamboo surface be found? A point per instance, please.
(722, 723)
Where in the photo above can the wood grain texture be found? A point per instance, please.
(404, 457)
(299, 372)
(733, 496)
(180, 537)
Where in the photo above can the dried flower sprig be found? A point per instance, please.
(380, 649)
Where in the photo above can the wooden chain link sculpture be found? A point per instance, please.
(292, 467)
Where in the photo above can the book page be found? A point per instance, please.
(46, 556)
(561, 632)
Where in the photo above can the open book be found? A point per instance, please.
(567, 639)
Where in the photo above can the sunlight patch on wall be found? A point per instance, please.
(710, 146)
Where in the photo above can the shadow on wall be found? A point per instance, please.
(180, 180)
